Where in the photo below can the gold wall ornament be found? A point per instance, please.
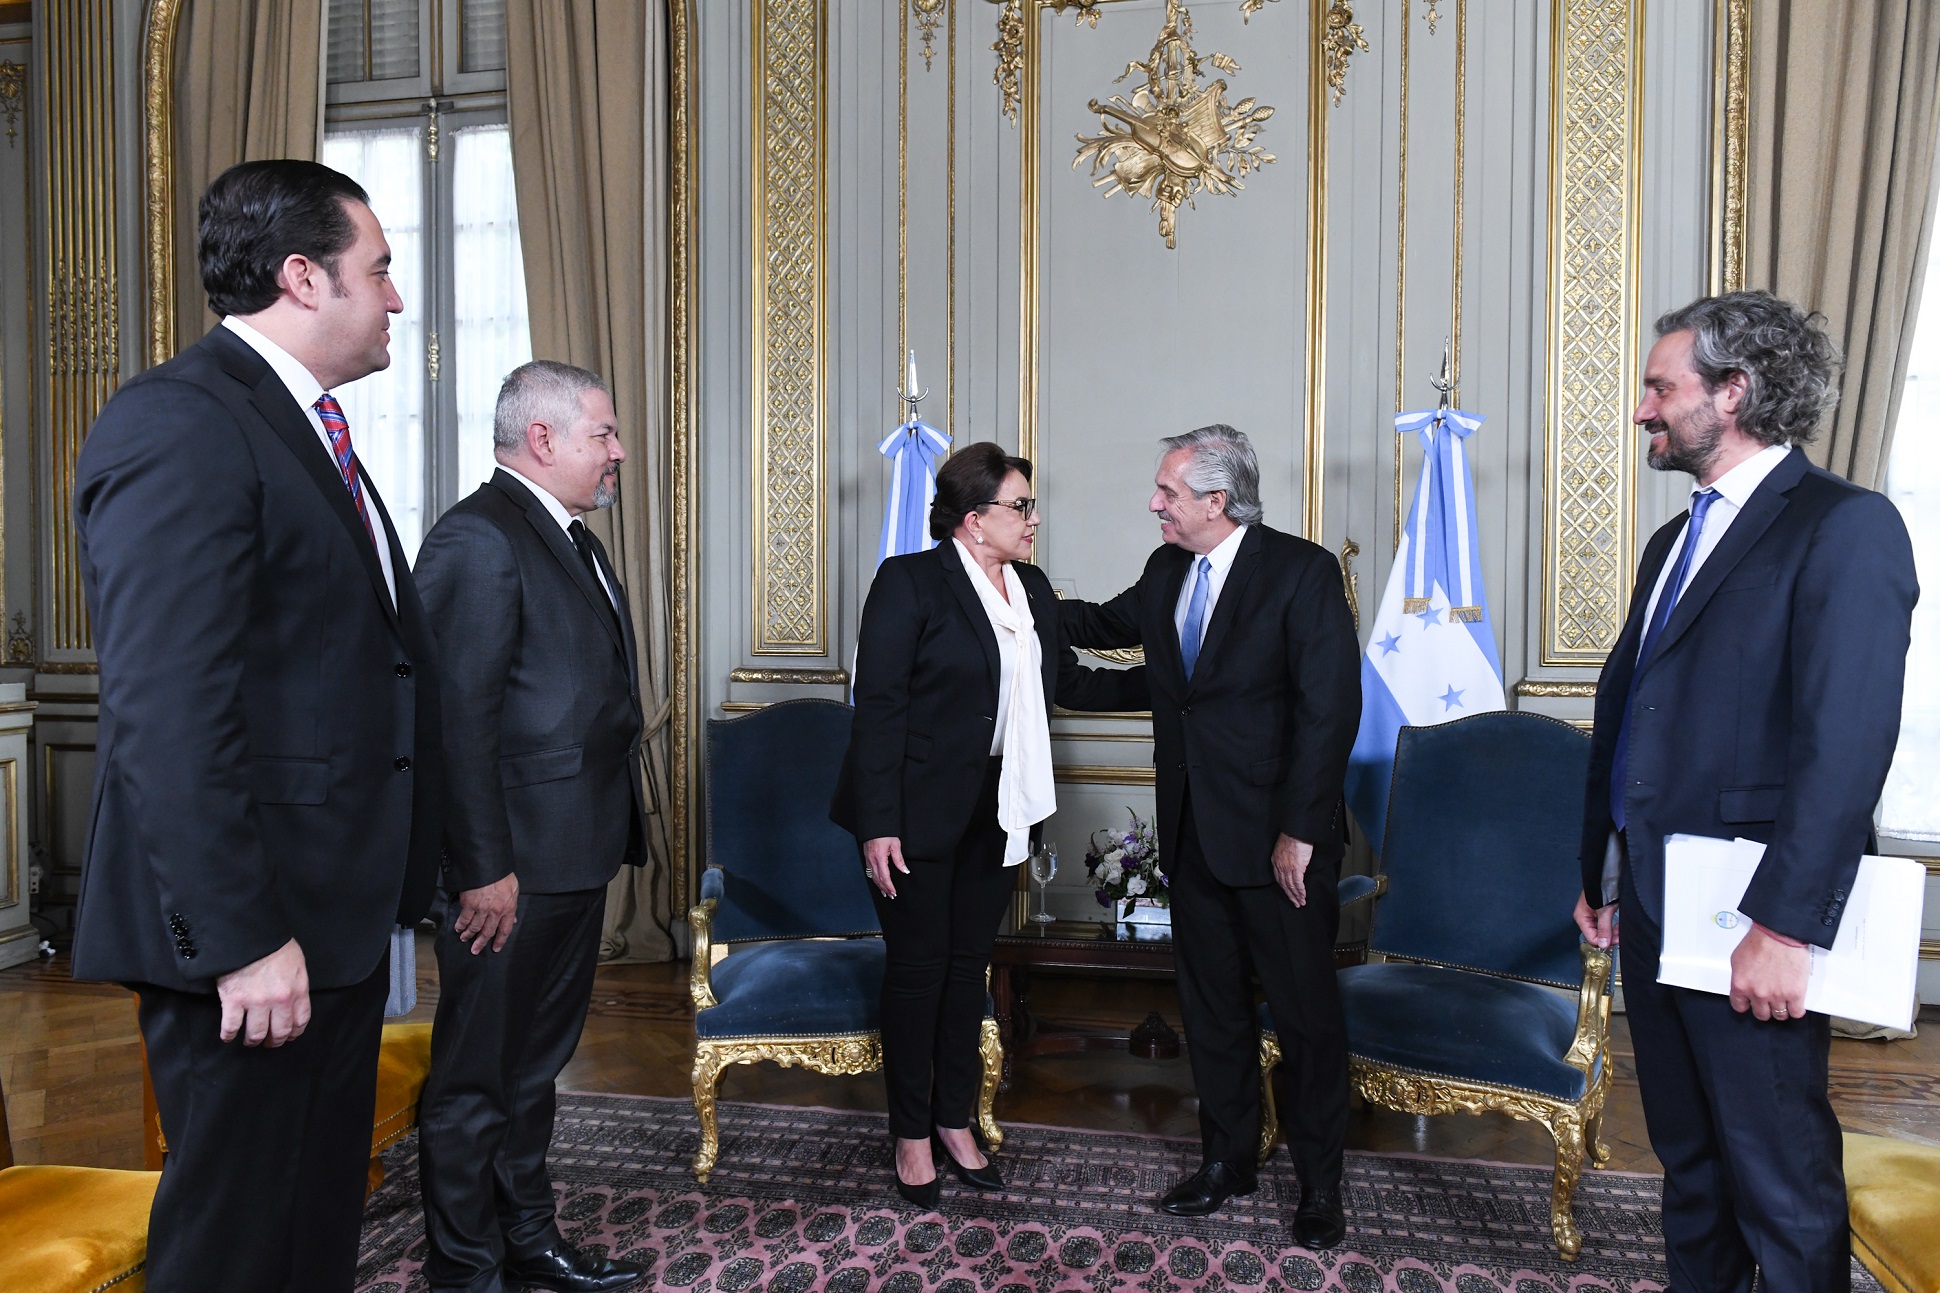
(1595, 133)
(1009, 47)
(13, 96)
(1087, 10)
(1174, 136)
(807, 677)
(1432, 14)
(683, 289)
(1556, 689)
(790, 300)
(20, 643)
(928, 15)
(1248, 8)
(1730, 141)
(1344, 37)
(1349, 580)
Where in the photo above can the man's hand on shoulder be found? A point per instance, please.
(1290, 859)
(267, 1001)
(487, 915)
(1768, 975)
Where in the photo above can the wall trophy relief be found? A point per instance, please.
(1174, 136)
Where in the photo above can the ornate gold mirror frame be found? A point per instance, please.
(159, 32)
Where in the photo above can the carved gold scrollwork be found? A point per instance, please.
(1269, 1108)
(837, 1056)
(929, 16)
(13, 96)
(1432, 14)
(1174, 137)
(1344, 37)
(1009, 48)
(990, 1047)
(1351, 581)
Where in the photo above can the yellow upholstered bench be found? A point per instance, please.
(403, 1062)
(71, 1229)
(1893, 1194)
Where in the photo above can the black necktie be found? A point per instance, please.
(584, 541)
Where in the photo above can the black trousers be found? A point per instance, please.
(507, 1023)
(1223, 936)
(1738, 1114)
(263, 1190)
(938, 933)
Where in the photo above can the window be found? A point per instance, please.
(431, 147)
(1910, 806)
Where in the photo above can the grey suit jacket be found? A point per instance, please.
(542, 716)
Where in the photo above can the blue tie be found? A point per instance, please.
(1195, 626)
(1660, 615)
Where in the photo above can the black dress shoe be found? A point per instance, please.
(1200, 1194)
(565, 1269)
(1319, 1222)
(977, 1178)
(925, 1196)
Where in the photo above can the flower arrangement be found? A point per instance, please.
(1125, 867)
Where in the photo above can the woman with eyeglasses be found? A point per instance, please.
(946, 781)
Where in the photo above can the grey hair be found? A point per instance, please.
(1788, 361)
(1222, 458)
(544, 390)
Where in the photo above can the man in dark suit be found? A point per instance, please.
(267, 799)
(1254, 671)
(542, 742)
(1755, 692)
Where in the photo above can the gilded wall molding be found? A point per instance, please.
(13, 96)
(158, 172)
(83, 307)
(1596, 90)
(1556, 689)
(1730, 140)
(1314, 433)
(790, 300)
(1104, 774)
(798, 677)
(683, 289)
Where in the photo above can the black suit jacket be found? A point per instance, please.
(926, 699)
(1771, 703)
(1263, 729)
(542, 698)
(268, 757)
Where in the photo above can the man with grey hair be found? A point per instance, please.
(542, 730)
(1754, 691)
(1254, 671)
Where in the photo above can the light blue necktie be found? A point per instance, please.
(1195, 615)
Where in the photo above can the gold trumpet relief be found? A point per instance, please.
(1174, 136)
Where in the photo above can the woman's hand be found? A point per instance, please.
(878, 855)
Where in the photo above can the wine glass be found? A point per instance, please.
(1044, 868)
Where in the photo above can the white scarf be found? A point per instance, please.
(1026, 791)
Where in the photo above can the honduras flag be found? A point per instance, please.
(915, 448)
(1432, 654)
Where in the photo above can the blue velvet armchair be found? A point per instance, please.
(784, 891)
(1478, 994)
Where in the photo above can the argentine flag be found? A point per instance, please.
(1432, 654)
(915, 448)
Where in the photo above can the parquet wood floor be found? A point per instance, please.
(70, 1063)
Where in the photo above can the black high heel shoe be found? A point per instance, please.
(977, 1178)
(925, 1196)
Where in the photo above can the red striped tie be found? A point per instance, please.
(337, 427)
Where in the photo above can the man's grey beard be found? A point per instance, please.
(1698, 448)
(607, 492)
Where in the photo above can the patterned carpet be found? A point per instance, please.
(802, 1200)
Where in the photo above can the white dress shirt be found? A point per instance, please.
(557, 510)
(1221, 559)
(1006, 652)
(306, 390)
(1734, 489)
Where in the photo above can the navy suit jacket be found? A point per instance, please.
(269, 761)
(1263, 728)
(1771, 703)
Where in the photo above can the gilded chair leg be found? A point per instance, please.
(990, 1045)
(1593, 1136)
(707, 1078)
(1269, 1108)
(1567, 1127)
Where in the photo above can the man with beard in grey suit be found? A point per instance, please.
(542, 730)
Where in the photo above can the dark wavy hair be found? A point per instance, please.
(968, 482)
(1788, 361)
(256, 215)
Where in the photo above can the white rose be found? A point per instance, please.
(1111, 873)
(1115, 856)
(1136, 886)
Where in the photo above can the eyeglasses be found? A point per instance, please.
(1021, 506)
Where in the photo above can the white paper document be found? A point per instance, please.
(1869, 973)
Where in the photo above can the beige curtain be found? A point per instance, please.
(1845, 103)
(586, 95)
(248, 86)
